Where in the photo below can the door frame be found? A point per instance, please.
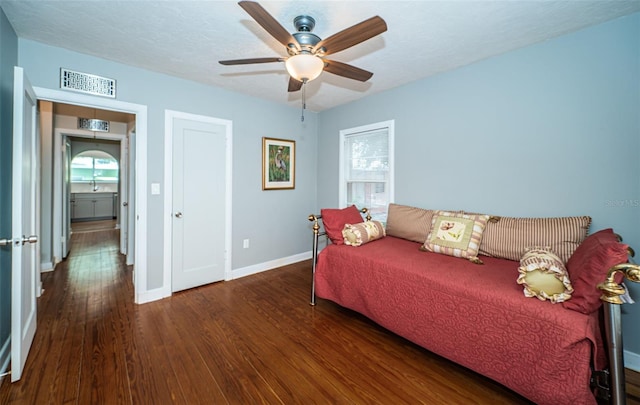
(141, 294)
(59, 204)
(169, 117)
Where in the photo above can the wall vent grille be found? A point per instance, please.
(93, 124)
(87, 83)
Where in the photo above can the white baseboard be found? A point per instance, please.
(152, 295)
(5, 355)
(160, 293)
(46, 267)
(260, 267)
(632, 360)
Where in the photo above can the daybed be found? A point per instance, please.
(526, 324)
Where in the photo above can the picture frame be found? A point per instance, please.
(278, 164)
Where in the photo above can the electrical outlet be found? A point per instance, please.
(245, 244)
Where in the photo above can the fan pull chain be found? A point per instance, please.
(304, 99)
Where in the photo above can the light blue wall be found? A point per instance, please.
(549, 130)
(274, 221)
(8, 59)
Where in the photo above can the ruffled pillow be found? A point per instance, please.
(544, 276)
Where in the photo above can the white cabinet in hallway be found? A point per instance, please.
(86, 206)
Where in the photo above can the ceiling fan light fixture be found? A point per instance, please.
(304, 67)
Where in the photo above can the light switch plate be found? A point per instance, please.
(155, 188)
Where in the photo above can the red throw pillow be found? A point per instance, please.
(334, 219)
(588, 267)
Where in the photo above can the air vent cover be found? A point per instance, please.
(93, 124)
(87, 83)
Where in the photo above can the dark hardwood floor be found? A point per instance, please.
(251, 340)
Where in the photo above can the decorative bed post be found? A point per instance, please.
(316, 234)
(611, 292)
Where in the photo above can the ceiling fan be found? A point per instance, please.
(307, 51)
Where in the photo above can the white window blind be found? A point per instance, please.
(367, 168)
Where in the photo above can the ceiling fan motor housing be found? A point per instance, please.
(304, 25)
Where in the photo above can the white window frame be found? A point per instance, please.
(389, 126)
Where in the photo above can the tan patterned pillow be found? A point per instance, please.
(408, 222)
(508, 237)
(543, 275)
(456, 234)
(364, 232)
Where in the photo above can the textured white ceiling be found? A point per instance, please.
(187, 38)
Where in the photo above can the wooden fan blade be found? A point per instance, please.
(250, 61)
(353, 35)
(345, 70)
(294, 85)
(266, 21)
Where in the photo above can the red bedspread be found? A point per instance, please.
(474, 315)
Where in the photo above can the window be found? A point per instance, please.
(366, 168)
(94, 166)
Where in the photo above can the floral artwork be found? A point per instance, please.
(278, 164)
(452, 231)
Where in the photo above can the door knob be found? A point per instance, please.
(5, 242)
(30, 239)
(178, 214)
(124, 204)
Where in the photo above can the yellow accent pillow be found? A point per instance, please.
(544, 276)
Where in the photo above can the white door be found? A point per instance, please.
(131, 202)
(199, 163)
(25, 258)
(123, 188)
(66, 197)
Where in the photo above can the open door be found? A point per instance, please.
(66, 197)
(26, 257)
(123, 192)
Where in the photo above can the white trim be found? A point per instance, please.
(390, 126)
(46, 267)
(632, 360)
(169, 117)
(152, 295)
(270, 265)
(140, 111)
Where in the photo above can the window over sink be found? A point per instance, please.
(94, 166)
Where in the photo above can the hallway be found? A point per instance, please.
(78, 319)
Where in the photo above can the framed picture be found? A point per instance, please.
(278, 164)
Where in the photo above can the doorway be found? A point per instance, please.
(138, 159)
(83, 193)
(90, 176)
